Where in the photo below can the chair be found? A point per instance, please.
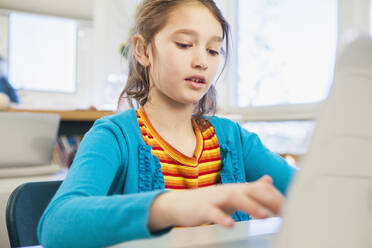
(25, 206)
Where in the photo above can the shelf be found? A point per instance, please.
(73, 122)
(69, 115)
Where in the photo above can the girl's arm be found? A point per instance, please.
(258, 198)
(215, 204)
(81, 214)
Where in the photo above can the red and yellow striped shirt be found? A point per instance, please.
(181, 171)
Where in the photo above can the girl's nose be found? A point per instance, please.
(200, 62)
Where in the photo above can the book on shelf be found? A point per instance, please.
(65, 149)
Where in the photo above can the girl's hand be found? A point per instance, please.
(215, 204)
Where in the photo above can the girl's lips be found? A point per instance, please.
(194, 85)
(197, 78)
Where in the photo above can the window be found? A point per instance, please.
(284, 59)
(284, 137)
(42, 53)
(285, 51)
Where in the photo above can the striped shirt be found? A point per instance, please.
(181, 171)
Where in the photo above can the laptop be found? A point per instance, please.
(27, 140)
(330, 200)
(329, 203)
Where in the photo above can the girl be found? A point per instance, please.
(128, 178)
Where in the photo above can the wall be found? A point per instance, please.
(80, 9)
(103, 26)
(353, 18)
(111, 20)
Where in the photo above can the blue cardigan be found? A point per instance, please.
(106, 196)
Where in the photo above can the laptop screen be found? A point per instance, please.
(27, 139)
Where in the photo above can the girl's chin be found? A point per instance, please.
(186, 102)
(191, 99)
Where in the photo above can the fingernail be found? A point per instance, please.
(263, 213)
(229, 222)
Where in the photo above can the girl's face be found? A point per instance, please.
(186, 55)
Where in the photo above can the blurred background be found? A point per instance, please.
(66, 56)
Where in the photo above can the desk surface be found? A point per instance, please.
(248, 234)
(254, 233)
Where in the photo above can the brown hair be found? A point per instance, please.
(150, 19)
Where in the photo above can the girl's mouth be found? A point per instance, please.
(196, 79)
(195, 84)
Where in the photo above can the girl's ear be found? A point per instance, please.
(140, 50)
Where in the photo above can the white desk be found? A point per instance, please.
(254, 233)
(247, 234)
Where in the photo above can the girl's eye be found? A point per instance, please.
(213, 52)
(182, 45)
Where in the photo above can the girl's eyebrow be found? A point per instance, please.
(194, 33)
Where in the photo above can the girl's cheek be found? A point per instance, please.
(175, 62)
(214, 67)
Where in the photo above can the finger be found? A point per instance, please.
(266, 179)
(266, 195)
(217, 216)
(250, 206)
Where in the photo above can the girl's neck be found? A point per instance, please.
(172, 118)
(173, 123)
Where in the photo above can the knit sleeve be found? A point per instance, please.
(82, 214)
(260, 161)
